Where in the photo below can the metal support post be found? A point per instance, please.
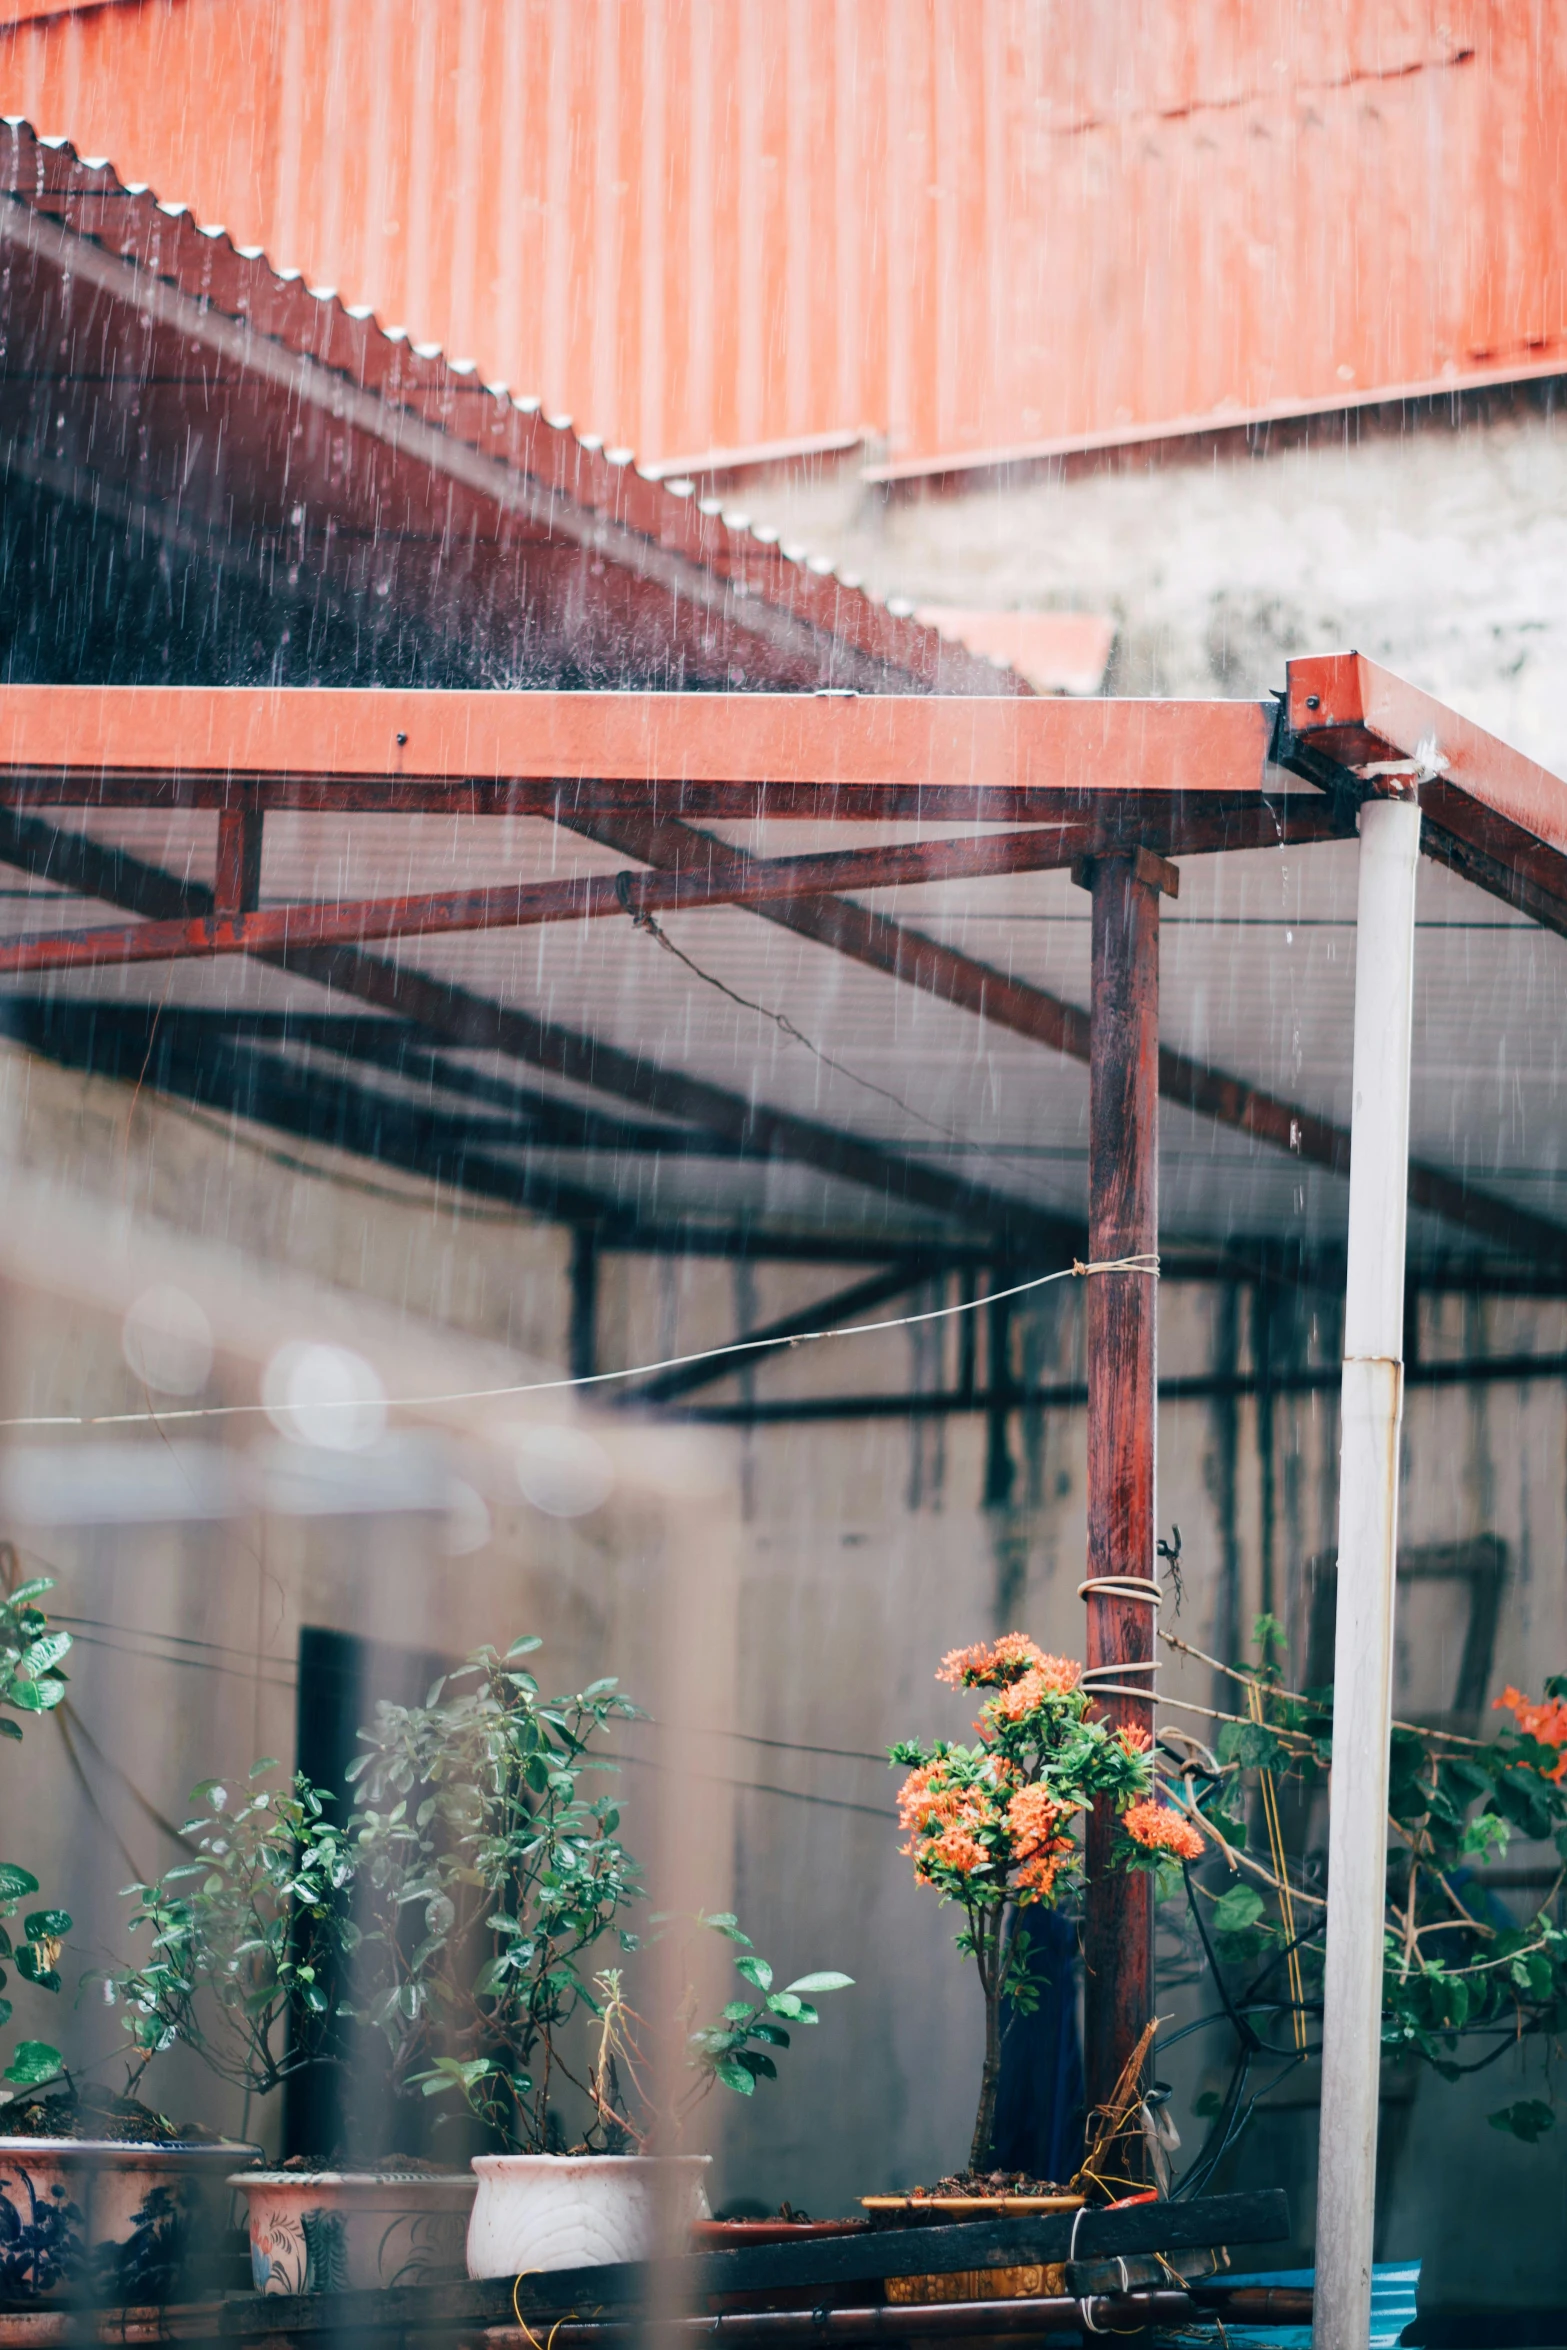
(1123, 1221)
(582, 1334)
(1367, 1548)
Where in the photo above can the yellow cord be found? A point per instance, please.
(1270, 1812)
(522, 2322)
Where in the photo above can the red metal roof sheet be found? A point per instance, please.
(973, 230)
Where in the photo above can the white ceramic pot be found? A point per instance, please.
(122, 2225)
(354, 2231)
(538, 2211)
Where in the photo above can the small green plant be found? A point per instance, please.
(31, 1682)
(241, 1937)
(490, 1881)
(626, 2112)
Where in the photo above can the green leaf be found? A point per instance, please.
(33, 2063)
(41, 1656)
(523, 1647)
(822, 1982)
(755, 1970)
(739, 2011)
(1529, 2120)
(268, 1762)
(1237, 1910)
(773, 2034)
(15, 1883)
(734, 2076)
(47, 1925)
(725, 1922)
(33, 1590)
(8, 1728)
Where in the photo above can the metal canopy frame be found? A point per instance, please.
(1111, 789)
(632, 771)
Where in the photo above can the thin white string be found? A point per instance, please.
(742, 1346)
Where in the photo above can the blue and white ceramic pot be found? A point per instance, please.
(355, 2231)
(116, 2225)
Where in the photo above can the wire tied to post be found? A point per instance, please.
(1134, 1587)
(1148, 1263)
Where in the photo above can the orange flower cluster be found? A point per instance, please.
(1545, 1719)
(1040, 1838)
(942, 1821)
(1158, 1829)
(1052, 1676)
(990, 1664)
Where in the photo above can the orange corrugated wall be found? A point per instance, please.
(966, 225)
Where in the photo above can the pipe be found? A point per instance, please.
(1105, 2313)
(1367, 1546)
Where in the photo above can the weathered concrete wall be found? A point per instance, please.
(1438, 550)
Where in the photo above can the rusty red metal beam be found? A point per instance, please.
(229, 931)
(1031, 1011)
(1182, 825)
(1491, 814)
(1120, 1311)
(826, 741)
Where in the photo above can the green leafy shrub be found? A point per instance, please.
(490, 1880)
(240, 1938)
(32, 1682)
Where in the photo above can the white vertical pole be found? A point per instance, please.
(1367, 1547)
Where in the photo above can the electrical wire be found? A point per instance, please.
(1148, 1263)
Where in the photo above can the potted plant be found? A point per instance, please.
(242, 1939)
(992, 1827)
(473, 1823)
(98, 2194)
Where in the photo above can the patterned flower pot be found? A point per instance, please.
(85, 2219)
(354, 2231)
(537, 2211)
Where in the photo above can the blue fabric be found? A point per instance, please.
(1040, 2097)
(1394, 2284)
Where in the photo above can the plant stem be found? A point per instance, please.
(987, 1954)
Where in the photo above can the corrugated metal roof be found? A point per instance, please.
(999, 227)
(291, 344)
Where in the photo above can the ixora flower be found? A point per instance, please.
(1157, 1828)
(1543, 1720)
(991, 1826)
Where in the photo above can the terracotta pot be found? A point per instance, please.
(543, 2211)
(354, 2231)
(120, 2225)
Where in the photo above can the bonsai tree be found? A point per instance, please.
(31, 1682)
(992, 1826)
(239, 1938)
(492, 1880)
